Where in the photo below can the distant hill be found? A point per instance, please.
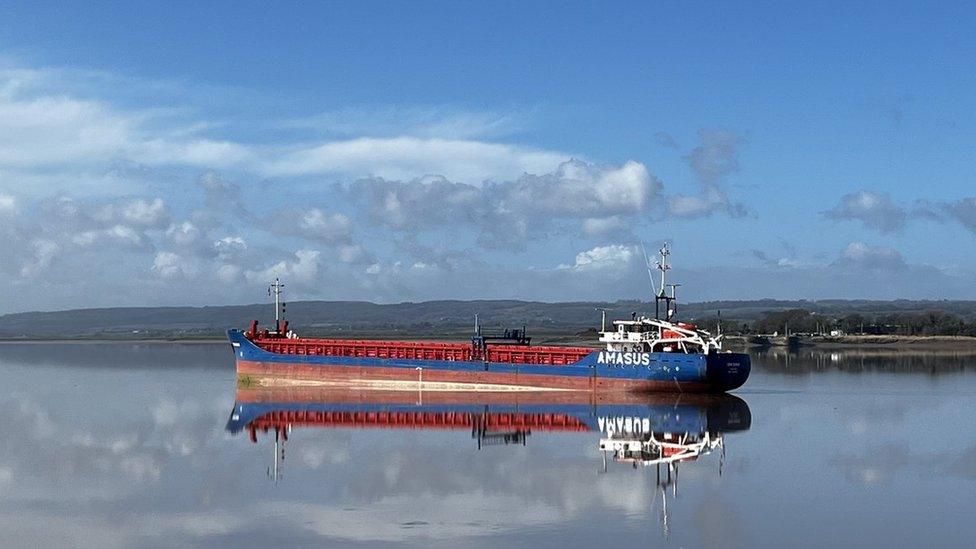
(440, 317)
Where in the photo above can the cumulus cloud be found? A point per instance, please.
(715, 157)
(122, 215)
(222, 195)
(717, 154)
(41, 232)
(439, 257)
(183, 234)
(426, 185)
(769, 261)
(874, 210)
(302, 267)
(7, 203)
(877, 211)
(602, 226)
(426, 173)
(963, 211)
(356, 255)
(711, 199)
(505, 210)
(424, 202)
(145, 213)
(314, 224)
(613, 257)
(230, 248)
(864, 256)
(169, 265)
(43, 252)
(664, 139)
(114, 236)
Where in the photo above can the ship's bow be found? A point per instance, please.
(727, 371)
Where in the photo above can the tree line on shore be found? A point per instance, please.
(803, 321)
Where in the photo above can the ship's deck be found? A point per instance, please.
(424, 350)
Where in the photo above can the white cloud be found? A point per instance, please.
(116, 234)
(144, 212)
(172, 265)
(329, 228)
(604, 226)
(43, 253)
(409, 157)
(42, 127)
(7, 203)
(626, 189)
(613, 257)
(717, 154)
(874, 210)
(228, 273)
(962, 210)
(865, 256)
(355, 255)
(303, 268)
(715, 157)
(56, 130)
(711, 199)
(183, 234)
(579, 189)
(230, 248)
(204, 153)
(425, 122)
(506, 211)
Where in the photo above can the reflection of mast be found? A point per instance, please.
(662, 449)
(662, 486)
(281, 435)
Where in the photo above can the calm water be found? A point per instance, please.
(127, 446)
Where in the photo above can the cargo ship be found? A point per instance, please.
(640, 354)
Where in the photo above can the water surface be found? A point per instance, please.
(127, 445)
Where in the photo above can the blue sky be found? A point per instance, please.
(154, 154)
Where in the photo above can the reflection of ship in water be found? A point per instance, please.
(684, 433)
(638, 428)
(492, 419)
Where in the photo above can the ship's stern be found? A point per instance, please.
(727, 371)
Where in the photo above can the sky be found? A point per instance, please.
(186, 154)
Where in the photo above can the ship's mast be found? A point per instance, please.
(603, 319)
(275, 288)
(664, 267)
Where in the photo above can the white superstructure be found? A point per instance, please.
(642, 334)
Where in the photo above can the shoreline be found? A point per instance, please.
(894, 342)
(851, 342)
(104, 341)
